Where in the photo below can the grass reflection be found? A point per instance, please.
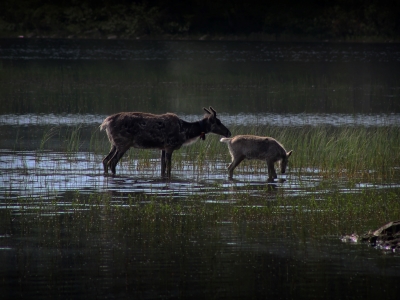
(332, 214)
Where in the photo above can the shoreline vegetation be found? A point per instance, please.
(306, 21)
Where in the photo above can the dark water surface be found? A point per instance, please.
(69, 76)
(67, 231)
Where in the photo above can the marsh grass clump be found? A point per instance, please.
(352, 151)
(47, 136)
(203, 155)
(342, 213)
(73, 139)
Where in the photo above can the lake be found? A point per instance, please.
(69, 231)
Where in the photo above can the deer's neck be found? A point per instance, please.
(195, 130)
(203, 126)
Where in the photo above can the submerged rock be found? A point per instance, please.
(386, 237)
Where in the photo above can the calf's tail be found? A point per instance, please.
(225, 140)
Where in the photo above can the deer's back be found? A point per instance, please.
(144, 130)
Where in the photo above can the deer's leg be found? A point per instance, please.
(163, 163)
(115, 159)
(168, 158)
(236, 161)
(107, 158)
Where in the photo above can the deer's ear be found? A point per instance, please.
(207, 111)
(289, 153)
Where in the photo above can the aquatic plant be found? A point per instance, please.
(355, 152)
(331, 214)
(49, 134)
(73, 138)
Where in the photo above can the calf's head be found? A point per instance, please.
(213, 124)
(285, 161)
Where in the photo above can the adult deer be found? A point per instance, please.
(166, 132)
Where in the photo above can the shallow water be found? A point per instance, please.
(29, 174)
(69, 231)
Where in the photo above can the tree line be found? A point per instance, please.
(323, 19)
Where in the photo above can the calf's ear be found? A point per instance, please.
(289, 153)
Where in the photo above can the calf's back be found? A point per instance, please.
(256, 147)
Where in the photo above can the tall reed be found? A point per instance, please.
(73, 138)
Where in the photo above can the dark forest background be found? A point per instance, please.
(323, 19)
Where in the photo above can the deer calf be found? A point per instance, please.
(166, 132)
(257, 147)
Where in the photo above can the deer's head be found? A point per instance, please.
(285, 161)
(213, 124)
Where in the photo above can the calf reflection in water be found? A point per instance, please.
(257, 147)
(166, 132)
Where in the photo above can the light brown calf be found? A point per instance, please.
(257, 147)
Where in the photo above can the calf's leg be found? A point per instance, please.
(236, 161)
(168, 158)
(163, 163)
(271, 171)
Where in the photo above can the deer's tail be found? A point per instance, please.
(225, 140)
(105, 124)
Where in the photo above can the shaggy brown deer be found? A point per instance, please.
(166, 132)
(257, 147)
